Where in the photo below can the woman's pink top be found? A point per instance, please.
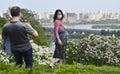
(58, 26)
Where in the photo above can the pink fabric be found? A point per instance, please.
(58, 26)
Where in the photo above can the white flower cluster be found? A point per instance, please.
(40, 55)
(3, 57)
(98, 50)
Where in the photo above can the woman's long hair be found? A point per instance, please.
(55, 15)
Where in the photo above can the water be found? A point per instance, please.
(79, 27)
(84, 27)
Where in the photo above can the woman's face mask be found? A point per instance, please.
(59, 16)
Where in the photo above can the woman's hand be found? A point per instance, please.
(60, 42)
(66, 37)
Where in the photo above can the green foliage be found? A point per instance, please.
(109, 33)
(28, 16)
(110, 26)
(2, 22)
(41, 39)
(58, 69)
(78, 36)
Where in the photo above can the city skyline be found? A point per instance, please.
(65, 5)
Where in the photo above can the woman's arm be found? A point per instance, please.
(56, 29)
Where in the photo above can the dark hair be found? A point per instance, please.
(15, 11)
(55, 15)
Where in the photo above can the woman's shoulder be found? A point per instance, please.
(57, 21)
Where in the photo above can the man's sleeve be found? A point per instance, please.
(29, 29)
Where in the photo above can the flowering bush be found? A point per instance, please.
(40, 55)
(3, 57)
(97, 50)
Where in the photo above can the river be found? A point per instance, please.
(83, 26)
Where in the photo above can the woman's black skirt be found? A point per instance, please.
(60, 50)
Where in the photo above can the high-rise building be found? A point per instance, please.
(81, 17)
(71, 17)
(51, 17)
(95, 16)
(44, 15)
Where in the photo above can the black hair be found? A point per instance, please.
(15, 11)
(55, 15)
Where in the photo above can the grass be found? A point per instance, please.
(59, 69)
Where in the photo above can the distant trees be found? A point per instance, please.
(109, 33)
(28, 16)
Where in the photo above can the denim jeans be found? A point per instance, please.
(27, 55)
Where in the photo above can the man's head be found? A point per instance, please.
(15, 11)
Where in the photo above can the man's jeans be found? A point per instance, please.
(27, 55)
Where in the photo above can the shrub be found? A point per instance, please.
(97, 50)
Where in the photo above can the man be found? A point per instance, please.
(18, 35)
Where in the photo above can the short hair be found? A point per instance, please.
(15, 11)
(55, 15)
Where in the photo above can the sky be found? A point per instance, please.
(65, 5)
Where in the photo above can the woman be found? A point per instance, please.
(60, 38)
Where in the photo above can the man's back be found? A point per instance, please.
(17, 32)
